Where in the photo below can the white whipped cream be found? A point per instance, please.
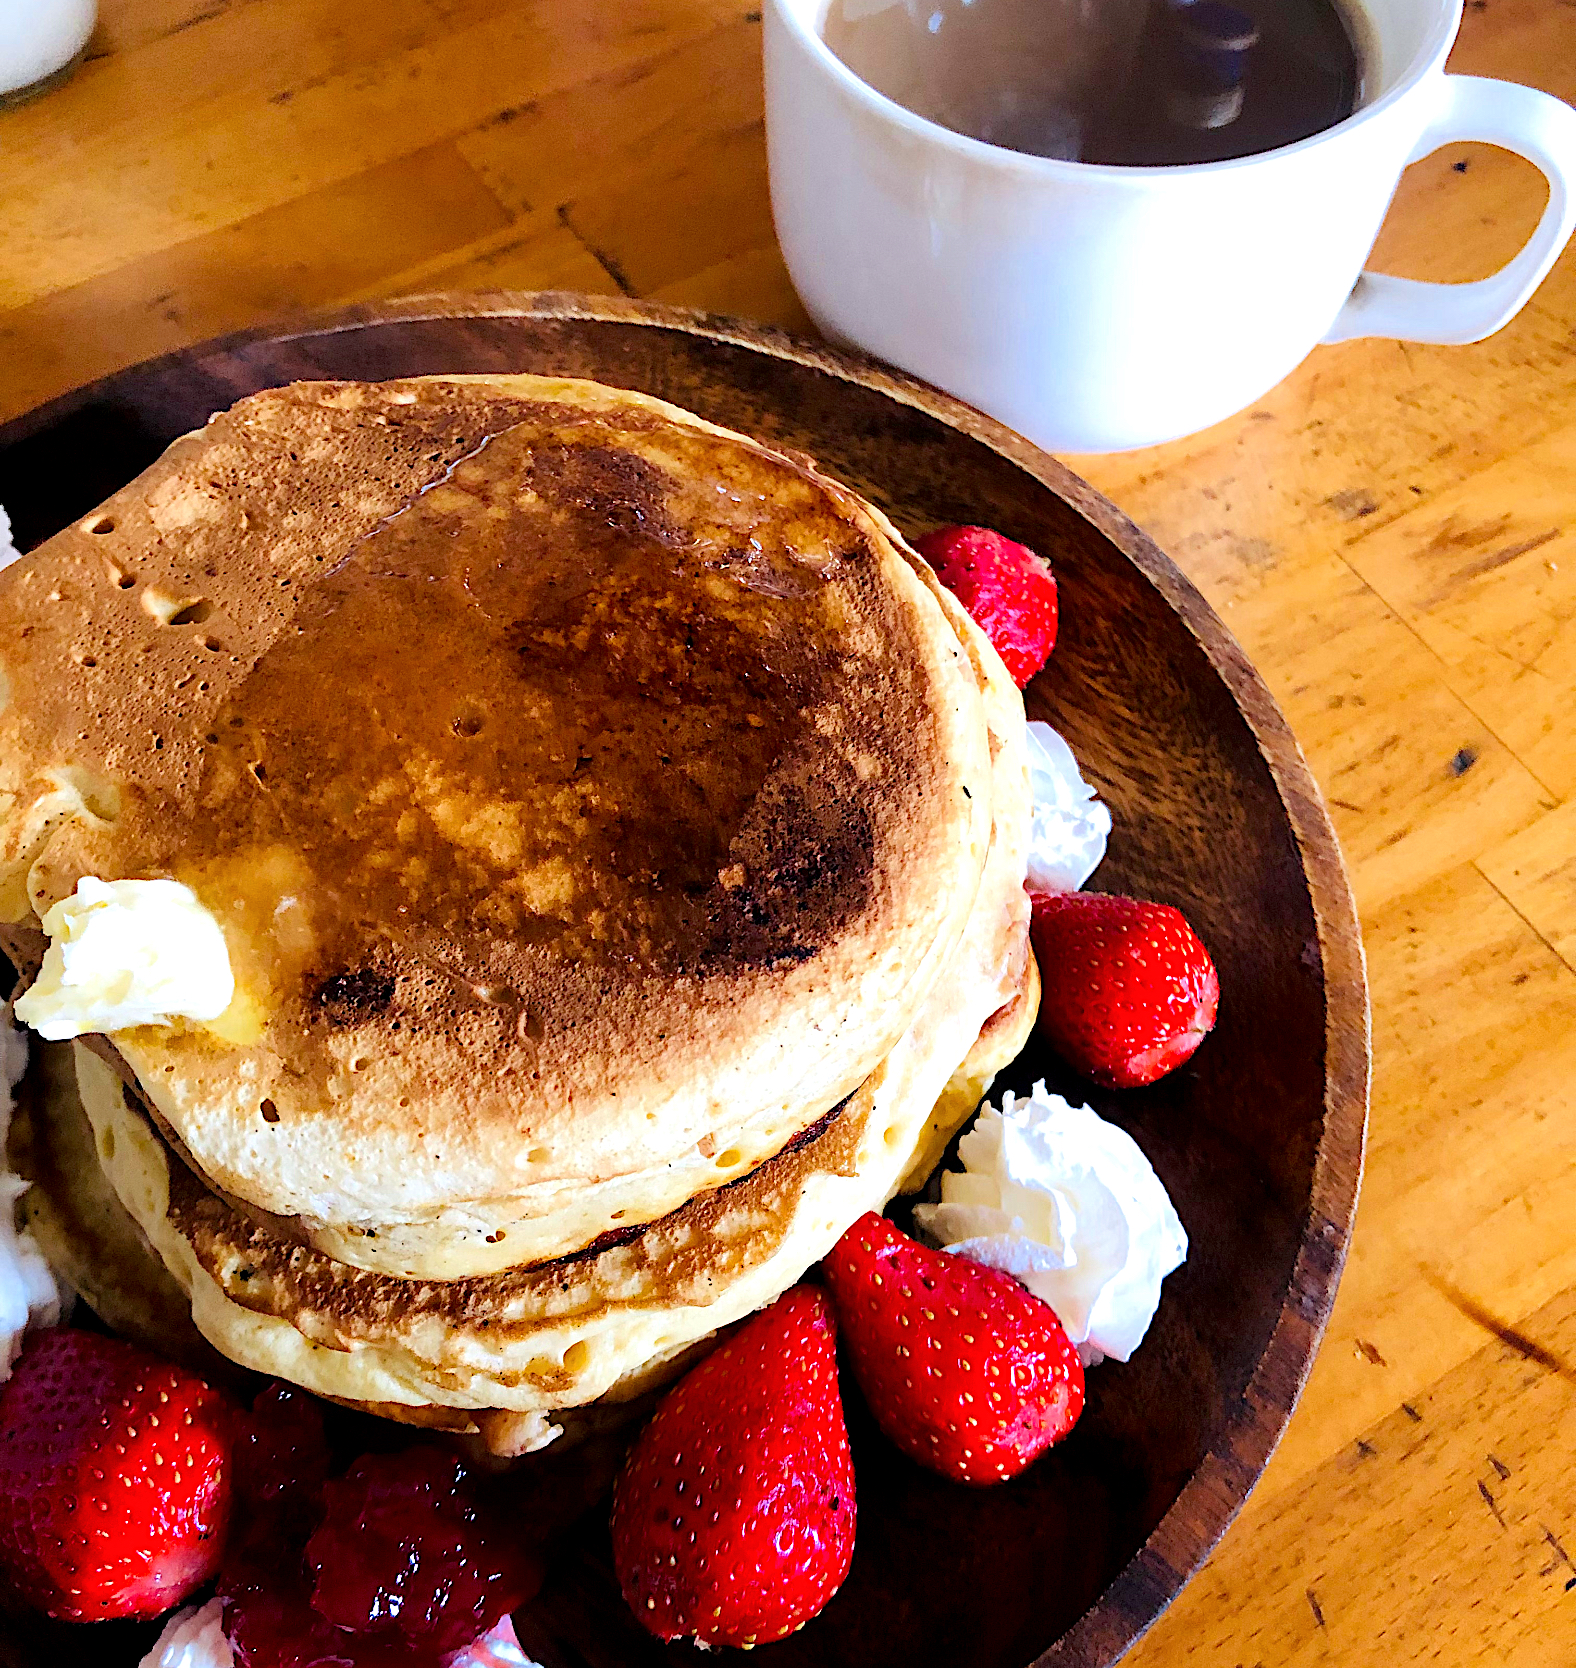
(124, 953)
(29, 1296)
(1069, 826)
(1069, 1206)
(8, 550)
(195, 1638)
(498, 1649)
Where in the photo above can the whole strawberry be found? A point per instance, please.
(1128, 989)
(964, 1370)
(1007, 589)
(733, 1519)
(115, 1478)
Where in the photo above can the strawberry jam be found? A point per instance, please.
(408, 1549)
(397, 1564)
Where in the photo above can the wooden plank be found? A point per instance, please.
(189, 170)
(317, 248)
(651, 115)
(1474, 1055)
(1535, 871)
(753, 285)
(1443, 1535)
(536, 252)
(202, 53)
(1416, 782)
(709, 205)
(1485, 574)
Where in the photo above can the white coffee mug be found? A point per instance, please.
(1098, 308)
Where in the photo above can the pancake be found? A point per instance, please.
(610, 1322)
(82, 1228)
(591, 798)
(93, 1241)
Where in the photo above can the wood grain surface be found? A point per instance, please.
(1387, 534)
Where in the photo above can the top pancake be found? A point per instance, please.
(589, 796)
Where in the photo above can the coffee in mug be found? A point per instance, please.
(1143, 83)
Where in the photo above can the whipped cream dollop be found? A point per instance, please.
(1069, 825)
(29, 1295)
(499, 1649)
(8, 550)
(1069, 1206)
(124, 953)
(195, 1638)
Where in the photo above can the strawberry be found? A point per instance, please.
(1129, 991)
(1007, 589)
(964, 1370)
(115, 1478)
(733, 1519)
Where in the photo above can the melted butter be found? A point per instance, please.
(242, 1023)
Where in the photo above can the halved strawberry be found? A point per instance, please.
(1008, 591)
(1128, 990)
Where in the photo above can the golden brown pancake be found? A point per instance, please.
(92, 1242)
(619, 836)
(609, 1322)
(591, 799)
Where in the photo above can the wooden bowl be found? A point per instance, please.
(1259, 1139)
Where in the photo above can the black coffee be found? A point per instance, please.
(1142, 83)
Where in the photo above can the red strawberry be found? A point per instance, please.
(1007, 589)
(1129, 991)
(966, 1371)
(115, 1478)
(733, 1519)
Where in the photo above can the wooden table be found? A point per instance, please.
(1386, 533)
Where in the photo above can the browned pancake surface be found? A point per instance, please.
(543, 757)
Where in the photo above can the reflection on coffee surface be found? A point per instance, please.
(1137, 82)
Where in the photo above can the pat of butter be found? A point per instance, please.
(125, 953)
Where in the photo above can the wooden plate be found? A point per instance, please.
(1259, 1139)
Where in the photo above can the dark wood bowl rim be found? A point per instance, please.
(1215, 1493)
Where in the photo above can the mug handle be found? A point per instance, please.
(1520, 119)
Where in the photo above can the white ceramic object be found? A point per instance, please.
(38, 38)
(1099, 308)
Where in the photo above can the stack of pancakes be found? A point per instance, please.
(619, 839)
